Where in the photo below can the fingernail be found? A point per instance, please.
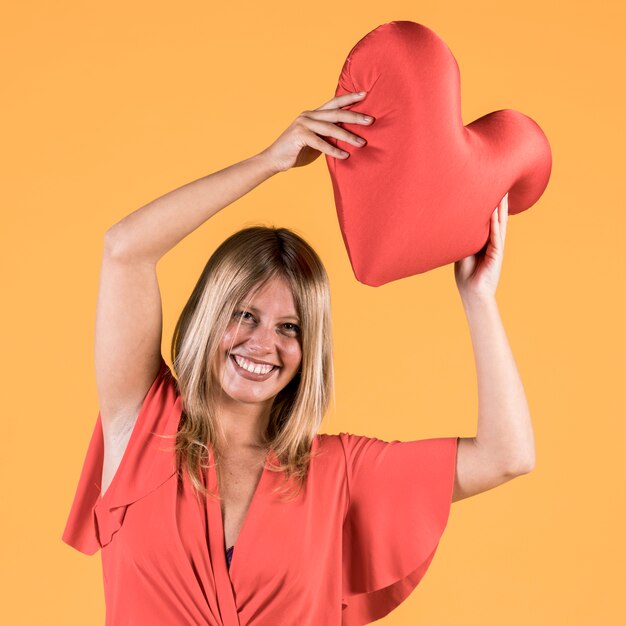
(361, 93)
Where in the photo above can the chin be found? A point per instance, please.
(247, 398)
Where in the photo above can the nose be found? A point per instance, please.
(261, 340)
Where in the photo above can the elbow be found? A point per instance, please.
(112, 242)
(119, 247)
(523, 465)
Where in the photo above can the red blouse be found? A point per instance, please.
(348, 550)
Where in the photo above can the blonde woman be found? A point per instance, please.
(212, 495)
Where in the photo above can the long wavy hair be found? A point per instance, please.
(240, 266)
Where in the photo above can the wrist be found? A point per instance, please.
(269, 166)
(472, 298)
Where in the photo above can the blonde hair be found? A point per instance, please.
(242, 264)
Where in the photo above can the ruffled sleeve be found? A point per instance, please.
(400, 494)
(147, 463)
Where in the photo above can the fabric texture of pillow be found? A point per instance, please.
(420, 193)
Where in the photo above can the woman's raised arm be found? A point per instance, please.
(149, 232)
(128, 317)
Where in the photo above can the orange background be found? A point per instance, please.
(106, 106)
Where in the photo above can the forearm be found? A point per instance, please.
(150, 231)
(504, 423)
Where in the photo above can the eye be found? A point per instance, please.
(292, 327)
(242, 314)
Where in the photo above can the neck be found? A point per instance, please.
(244, 425)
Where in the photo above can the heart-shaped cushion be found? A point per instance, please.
(420, 193)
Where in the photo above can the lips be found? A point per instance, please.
(249, 375)
(256, 361)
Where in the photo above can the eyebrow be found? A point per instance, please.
(293, 317)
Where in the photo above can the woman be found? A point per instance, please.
(328, 529)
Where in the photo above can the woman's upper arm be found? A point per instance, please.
(128, 333)
(477, 470)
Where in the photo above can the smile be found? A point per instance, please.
(242, 371)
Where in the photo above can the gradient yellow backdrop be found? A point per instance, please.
(106, 106)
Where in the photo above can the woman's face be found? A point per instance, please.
(268, 333)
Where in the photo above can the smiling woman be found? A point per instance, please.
(253, 302)
(221, 456)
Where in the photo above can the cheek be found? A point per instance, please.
(293, 353)
(227, 339)
(232, 336)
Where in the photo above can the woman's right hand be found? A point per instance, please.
(302, 142)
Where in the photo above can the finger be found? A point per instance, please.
(316, 142)
(499, 232)
(339, 115)
(495, 228)
(504, 214)
(328, 129)
(498, 212)
(340, 101)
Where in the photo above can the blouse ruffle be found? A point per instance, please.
(147, 463)
(400, 494)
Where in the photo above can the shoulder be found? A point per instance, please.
(345, 441)
(332, 442)
(341, 438)
(340, 445)
(326, 450)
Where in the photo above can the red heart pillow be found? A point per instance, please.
(420, 193)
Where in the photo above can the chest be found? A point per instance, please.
(287, 557)
(294, 546)
(238, 479)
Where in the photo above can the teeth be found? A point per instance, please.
(255, 368)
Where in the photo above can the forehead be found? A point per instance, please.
(273, 298)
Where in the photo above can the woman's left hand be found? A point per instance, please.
(478, 273)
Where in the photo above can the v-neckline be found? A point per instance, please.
(244, 525)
